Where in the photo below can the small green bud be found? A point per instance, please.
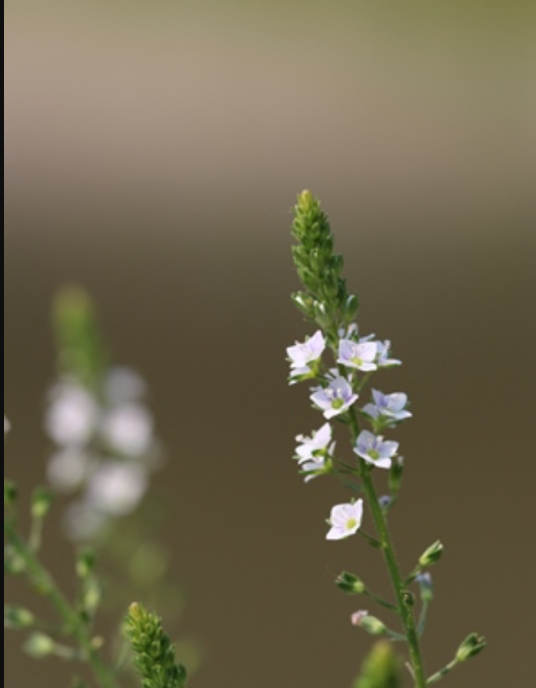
(395, 475)
(10, 493)
(351, 308)
(17, 617)
(432, 555)
(471, 647)
(305, 304)
(91, 596)
(85, 563)
(370, 624)
(382, 668)
(39, 645)
(42, 500)
(350, 584)
(14, 564)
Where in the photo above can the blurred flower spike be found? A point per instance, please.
(98, 420)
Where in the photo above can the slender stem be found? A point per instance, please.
(402, 595)
(381, 602)
(441, 674)
(73, 623)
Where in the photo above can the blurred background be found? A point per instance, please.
(153, 152)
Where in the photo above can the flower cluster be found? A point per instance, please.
(105, 448)
(336, 395)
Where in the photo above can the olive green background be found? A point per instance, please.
(153, 152)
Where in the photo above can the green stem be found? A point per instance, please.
(441, 674)
(75, 625)
(402, 595)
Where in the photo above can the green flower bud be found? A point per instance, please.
(40, 645)
(370, 624)
(395, 475)
(85, 563)
(17, 617)
(350, 584)
(351, 308)
(91, 596)
(432, 555)
(471, 647)
(10, 493)
(14, 564)
(42, 500)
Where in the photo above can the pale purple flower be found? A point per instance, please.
(304, 353)
(360, 355)
(383, 360)
(345, 520)
(310, 447)
(391, 407)
(375, 450)
(334, 399)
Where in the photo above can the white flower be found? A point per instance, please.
(7, 426)
(313, 468)
(124, 385)
(83, 522)
(310, 447)
(72, 416)
(68, 469)
(128, 429)
(117, 488)
(304, 353)
(345, 520)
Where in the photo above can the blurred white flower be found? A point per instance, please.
(128, 429)
(124, 385)
(117, 488)
(68, 469)
(83, 522)
(72, 415)
(7, 426)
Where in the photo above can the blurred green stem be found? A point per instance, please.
(73, 622)
(441, 674)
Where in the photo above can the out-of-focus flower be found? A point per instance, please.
(72, 416)
(128, 429)
(117, 488)
(68, 469)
